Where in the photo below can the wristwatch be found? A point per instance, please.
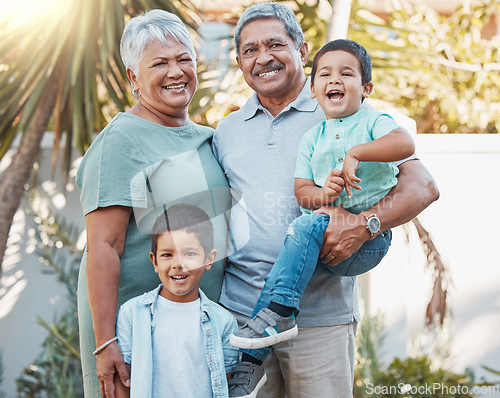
(372, 224)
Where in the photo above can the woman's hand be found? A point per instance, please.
(109, 362)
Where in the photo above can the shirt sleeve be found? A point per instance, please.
(230, 352)
(124, 334)
(383, 125)
(303, 167)
(105, 175)
(214, 147)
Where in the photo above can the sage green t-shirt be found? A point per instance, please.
(146, 166)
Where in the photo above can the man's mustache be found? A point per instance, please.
(267, 68)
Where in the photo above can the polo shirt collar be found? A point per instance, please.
(303, 103)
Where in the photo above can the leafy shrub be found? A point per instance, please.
(56, 372)
(410, 377)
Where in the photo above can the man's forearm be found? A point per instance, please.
(415, 191)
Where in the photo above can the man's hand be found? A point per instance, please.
(345, 234)
(333, 187)
(349, 174)
(109, 361)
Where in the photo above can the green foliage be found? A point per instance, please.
(491, 370)
(78, 42)
(410, 377)
(417, 378)
(496, 372)
(57, 370)
(369, 339)
(437, 70)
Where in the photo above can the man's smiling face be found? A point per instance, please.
(270, 63)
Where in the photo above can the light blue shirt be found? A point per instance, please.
(258, 153)
(135, 326)
(325, 146)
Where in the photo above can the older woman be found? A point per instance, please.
(144, 158)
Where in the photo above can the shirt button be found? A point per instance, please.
(274, 127)
(337, 136)
(340, 120)
(340, 160)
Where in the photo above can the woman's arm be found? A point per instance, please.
(346, 232)
(106, 231)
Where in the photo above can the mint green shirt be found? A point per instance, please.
(324, 147)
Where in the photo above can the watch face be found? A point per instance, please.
(373, 224)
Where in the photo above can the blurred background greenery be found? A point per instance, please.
(60, 70)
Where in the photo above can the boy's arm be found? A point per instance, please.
(120, 390)
(397, 145)
(310, 196)
(346, 232)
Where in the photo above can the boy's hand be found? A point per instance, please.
(349, 174)
(333, 187)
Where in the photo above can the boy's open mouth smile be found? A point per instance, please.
(335, 95)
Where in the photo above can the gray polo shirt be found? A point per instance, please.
(258, 153)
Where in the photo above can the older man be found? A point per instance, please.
(257, 147)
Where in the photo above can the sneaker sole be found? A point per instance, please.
(241, 342)
(259, 385)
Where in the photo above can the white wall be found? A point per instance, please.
(464, 223)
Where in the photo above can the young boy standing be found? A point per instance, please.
(174, 340)
(353, 147)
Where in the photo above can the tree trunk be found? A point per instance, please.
(339, 23)
(17, 173)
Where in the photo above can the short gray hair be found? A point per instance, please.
(270, 10)
(153, 25)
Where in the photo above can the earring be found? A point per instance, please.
(135, 92)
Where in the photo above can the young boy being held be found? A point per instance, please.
(174, 340)
(353, 147)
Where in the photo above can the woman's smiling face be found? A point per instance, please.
(166, 78)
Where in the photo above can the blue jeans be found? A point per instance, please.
(299, 261)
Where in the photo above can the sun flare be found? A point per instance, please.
(22, 12)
